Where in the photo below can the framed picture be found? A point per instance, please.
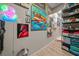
(27, 15)
(38, 19)
(27, 19)
(22, 30)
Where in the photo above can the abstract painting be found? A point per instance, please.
(7, 13)
(38, 19)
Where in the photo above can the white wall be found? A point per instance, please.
(8, 39)
(34, 42)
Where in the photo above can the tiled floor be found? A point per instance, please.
(53, 49)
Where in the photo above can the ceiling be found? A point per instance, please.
(53, 5)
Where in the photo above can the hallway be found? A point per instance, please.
(53, 49)
(39, 29)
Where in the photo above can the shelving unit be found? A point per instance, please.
(70, 33)
(70, 22)
(71, 8)
(70, 37)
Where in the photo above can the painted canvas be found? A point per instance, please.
(7, 13)
(22, 30)
(38, 19)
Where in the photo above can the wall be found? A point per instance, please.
(8, 39)
(34, 42)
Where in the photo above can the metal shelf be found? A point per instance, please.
(68, 15)
(70, 22)
(70, 30)
(70, 37)
(72, 16)
(71, 8)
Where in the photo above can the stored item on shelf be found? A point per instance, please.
(72, 19)
(75, 26)
(66, 48)
(66, 6)
(71, 26)
(65, 32)
(76, 33)
(71, 35)
(66, 40)
(66, 45)
(66, 20)
(66, 26)
(74, 52)
(74, 48)
(71, 4)
(77, 19)
(75, 42)
(77, 10)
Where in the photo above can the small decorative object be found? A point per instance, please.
(7, 13)
(22, 30)
(49, 29)
(23, 52)
(58, 22)
(27, 19)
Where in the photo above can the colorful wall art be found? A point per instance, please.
(38, 19)
(7, 13)
(22, 30)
